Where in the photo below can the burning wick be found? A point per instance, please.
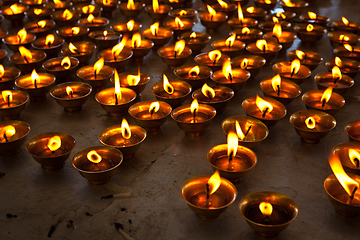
(278, 89)
(277, 39)
(264, 49)
(95, 75)
(352, 194)
(7, 140)
(194, 116)
(264, 113)
(207, 194)
(336, 79)
(27, 61)
(323, 103)
(247, 132)
(175, 54)
(230, 159)
(116, 99)
(230, 77)
(356, 160)
(35, 84)
(71, 94)
(8, 100)
(214, 62)
(292, 72)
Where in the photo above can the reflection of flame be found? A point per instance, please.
(41, 23)
(336, 73)
(275, 19)
(245, 31)
(155, 5)
(179, 23)
(338, 62)
(37, 11)
(232, 142)
(349, 185)
(244, 63)
(208, 91)
(276, 82)
(2, 70)
(88, 9)
(117, 86)
(136, 40)
(250, 9)
(214, 55)
(117, 49)
(194, 106)
(288, 3)
(295, 66)
(300, 54)
(154, 107)
(169, 89)
(230, 40)
(312, 15)
(179, 47)
(263, 105)
(344, 20)
(211, 11)
(309, 27)
(266, 208)
(21, 35)
(93, 156)
(326, 95)
(280, 15)
(354, 157)
(240, 13)
(7, 132)
(223, 4)
(69, 91)
(277, 31)
(54, 143)
(98, 65)
(49, 39)
(67, 14)
(214, 182)
(310, 122)
(262, 45)
(25, 53)
(226, 69)
(130, 25)
(90, 18)
(130, 5)
(125, 129)
(194, 71)
(154, 28)
(7, 96)
(348, 47)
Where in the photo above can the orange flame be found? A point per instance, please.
(208, 91)
(288, 3)
(93, 156)
(130, 25)
(194, 71)
(338, 62)
(90, 18)
(41, 23)
(98, 65)
(280, 15)
(34, 77)
(130, 5)
(169, 89)
(21, 35)
(343, 38)
(240, 13)
(2, 70)
(118, 95)
(238, 130)
(263, 105)
(244, 63)
(67, 15)
(267, 1)
(232, 142)
(117, 49)
(262, 45)
(179, 23)
(349, 185)
(277, 31)
(230, 40)
(300, 54)
(214, 55)
(14, 9)
(155, 5)
(344, 20)
(25, 53)
(211, 11)
(310, 122)
(125, 129)
(50, 38)
(54, 143)
(58, 3)
(275, 19)
(226, 69)
(179, 47)
(348, 47)
(182, 12)
(266, 208)
(66, 62)
(354, 157)
(37, 11)
(154, 107)
(250, 9)
(309, 27)
(295, 66)
(312, 15)
(326, 95)
(69, 91)
(223, 4)
(336, 73)
(154, 28)
(7, 96)
(276, 82)
(245, 31)
(193, 35)
(7, 132)
(194, 106)
(214, 182)
(73, 49)
(88, 9)
(133, 80)
(75, 30)
(136, 40)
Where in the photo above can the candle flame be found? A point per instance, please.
(90, 18)
(344, 20)
(288, 3)
(98, 65)
(136, 40)
(155, 5)
(348, 47)
(346, 182)
(267, 1)
(15, 9)
(154, 28)
(300, 54)
(230, 40)
(154, 107)
(37, 11)
(50, 38)
(338, 62)
(276, 82)
(8, 131)
(93, 156)
(239, 132)
(250, 9)
(326, 95)
(41, 23)
(343, 38)
(280, 15)
(194, 71)
(73, 49)
(295, 66)
(245, 31)
(118, 95)
(106, 2)
(263, 105)
(6, 94)
(312, 15)
(214, 55)
(354, 157)
(21, 35)
(69, 91)
(179, 23)
(275, 19)
(54, 143)
(34, 76)
(25, 53)
(240, 13)
(117, 49)
(266, 208)
(182, 12)
(193, 35)
(130, 5)
(310, 122)
(88, 9)
(125, 129)
(67, 15)
(208, 91)
(133, 80)
(130, 25)
(211, 11)
(194, 106)
(244, 63)
(179, 47)
(277, 31)
(169, 89)
(214, 182)
(261, 44)
(309, 27)
(58, 3)
(232, 142)
(2, 70)
(105, 33)
(223, 4)
(75, 30)
(336, 73)
(226, 69)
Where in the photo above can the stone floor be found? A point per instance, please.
(167, 159)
